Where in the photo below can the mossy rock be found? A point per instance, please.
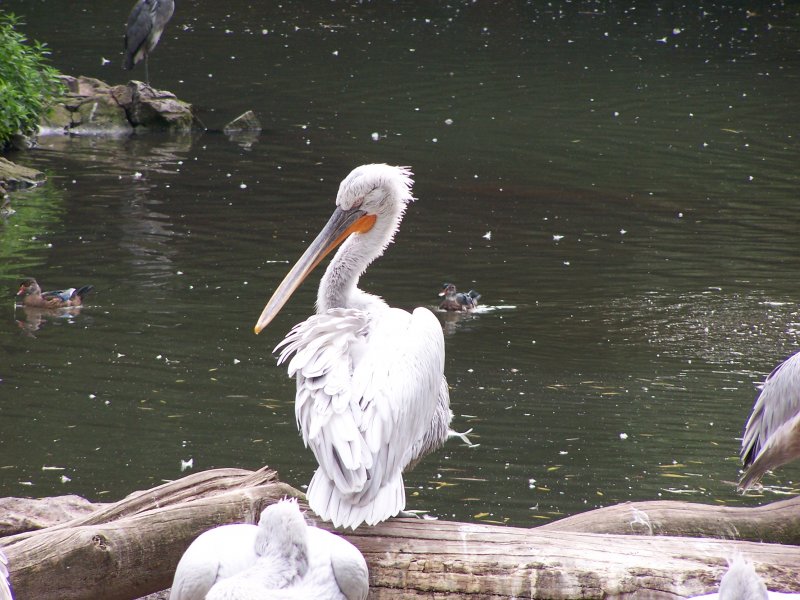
(16, 176)
(57, 119)
(100, 114)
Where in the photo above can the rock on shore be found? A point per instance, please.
(92, 107)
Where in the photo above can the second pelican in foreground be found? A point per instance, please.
(372, 398)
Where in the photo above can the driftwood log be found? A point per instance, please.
(777, 522)
(439, 559)
(129, 549)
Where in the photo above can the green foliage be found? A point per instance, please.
(27, 82)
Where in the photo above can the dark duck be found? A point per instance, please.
(30, 294)
(458, 301)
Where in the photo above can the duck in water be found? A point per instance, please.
(31, 295)
(458, 301)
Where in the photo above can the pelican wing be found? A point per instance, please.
(214, 555)
(777, 403)
(5, 584)
(336, 565)
(782, 446)
(367, 390)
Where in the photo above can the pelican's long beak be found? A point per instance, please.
(341, 224)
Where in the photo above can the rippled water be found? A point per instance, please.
(620, 186)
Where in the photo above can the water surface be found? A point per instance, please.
(621, 186)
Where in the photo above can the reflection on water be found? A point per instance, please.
(618, 182)
(33, 319)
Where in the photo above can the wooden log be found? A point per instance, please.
(407, 558)
(197, 485)
(129, 557)
(18, 515)
(777, 522)
(439, 559)
(118, 554)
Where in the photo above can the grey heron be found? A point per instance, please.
(145, 25)
(772, 434)
(372, 398)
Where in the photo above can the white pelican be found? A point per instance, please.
(214, 555)
(772, 434)
(741, 582)
(5, 584)
(372, 398)
(281, 557)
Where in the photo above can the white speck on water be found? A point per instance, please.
(676, 31)
(557, 237)
(243, 186)
(566, 263)
(92, 396)
(375, 136)
(623, 436)
(65, 479)
(104, 61)
(623, 231)
(448, 121)
(680, 215)
(335, 53)
(187, 464)
(487, 235)
(236, 361)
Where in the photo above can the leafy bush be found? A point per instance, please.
(27, 82)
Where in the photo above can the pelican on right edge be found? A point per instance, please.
(772, 434)
(372, 399)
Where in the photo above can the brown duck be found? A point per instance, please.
(458, 301)
(30, 294)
